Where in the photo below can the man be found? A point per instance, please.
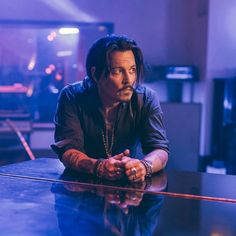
(101, 120)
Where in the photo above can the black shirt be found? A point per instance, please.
(79, 122)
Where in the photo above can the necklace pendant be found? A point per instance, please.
(108, 146)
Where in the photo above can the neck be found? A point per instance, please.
(110, 112)
(107, 103)
(110, 106)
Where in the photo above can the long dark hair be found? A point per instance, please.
(98, 55)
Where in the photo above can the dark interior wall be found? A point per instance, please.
(170, 32)
(183, 122)
(221, 49)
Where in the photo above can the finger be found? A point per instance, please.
(124, 208)
(110, 165)
(125, 159)
(140, 176)
(136, 177)
(116, 166)
(134, 195)
(126, 152)
(139, 180)
(135, 170)
(135, 202)
(119, 156)
(131, 163)
(119, 166)
(109, 168)
(136, 180)
(113, 198)
(133, 199)
(132, 177)
(113, 173)
(119, 175)
(139, 185)
(111, 177)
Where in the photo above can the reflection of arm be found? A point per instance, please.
(149, 214)
(121, 210)
(143, 218)
(153, 134)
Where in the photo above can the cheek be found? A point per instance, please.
(134, 79)
(114, 84)
(110, 88)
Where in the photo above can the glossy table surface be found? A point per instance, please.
(42, 198)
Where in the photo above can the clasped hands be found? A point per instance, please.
(120, 166)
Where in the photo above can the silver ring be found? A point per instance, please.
(133, 196)
(133, 171)
(118, 172)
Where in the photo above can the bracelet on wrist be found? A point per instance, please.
(148, 166)
(97, 166)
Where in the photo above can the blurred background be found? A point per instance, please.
(189, 48)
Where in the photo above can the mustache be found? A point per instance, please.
(126, 87)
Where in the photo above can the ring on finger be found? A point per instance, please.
(133, 171)
(133, 196)
(133, 178)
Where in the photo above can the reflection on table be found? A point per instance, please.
(42, 198)
(91, 209)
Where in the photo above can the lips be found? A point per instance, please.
(126, 88)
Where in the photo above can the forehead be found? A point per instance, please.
(121, 58)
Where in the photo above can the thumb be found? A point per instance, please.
(126, 152)
(119, 156)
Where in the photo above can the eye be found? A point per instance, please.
(132, 70)
(116, 71)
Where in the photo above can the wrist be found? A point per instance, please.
(97, 169)
(148, 166)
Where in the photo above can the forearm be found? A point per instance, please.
(78, 161)
(158, 158)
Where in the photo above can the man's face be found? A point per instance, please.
(121, 78)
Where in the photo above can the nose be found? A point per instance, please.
(127, 77)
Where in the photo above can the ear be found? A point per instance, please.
(92, 70)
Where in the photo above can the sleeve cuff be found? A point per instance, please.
(61, 146)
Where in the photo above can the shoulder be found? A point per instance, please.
(76, 89)
(146, 94)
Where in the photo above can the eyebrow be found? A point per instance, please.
(116, 67)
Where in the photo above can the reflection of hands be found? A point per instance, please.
(124, 200)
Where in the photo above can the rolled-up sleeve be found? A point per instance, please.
(152, 130)
(68, 132)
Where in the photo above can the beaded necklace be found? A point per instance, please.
(105, 138)
(108, 132)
